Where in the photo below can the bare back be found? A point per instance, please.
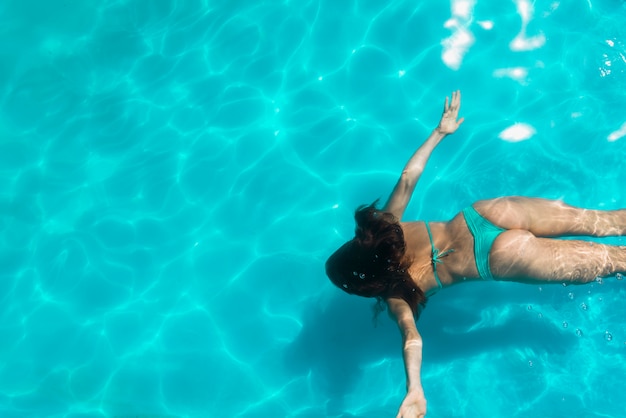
(457, 265)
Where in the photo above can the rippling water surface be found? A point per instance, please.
(174, 173)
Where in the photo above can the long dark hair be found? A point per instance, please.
(373, 263)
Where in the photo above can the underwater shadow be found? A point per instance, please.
(337, 340)
(449, 326)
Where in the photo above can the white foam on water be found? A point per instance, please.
(517, 132)
(521, 42)
(615, 135)
(456, 45)
(518, 74)
(485, 24)
(463, 8)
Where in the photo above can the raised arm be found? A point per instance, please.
(414, 403)
(403, 190)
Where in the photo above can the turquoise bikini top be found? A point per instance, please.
(435, 255)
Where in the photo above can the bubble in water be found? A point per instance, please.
(599, 280)
(530, 363)
(619, 276)
(564, 284)
(570, 295)
(583, 306)
(565, 324)
(540, 315)
(579, 332)
(608, 336)
(530, 307)
(540, 289)
(362, 275)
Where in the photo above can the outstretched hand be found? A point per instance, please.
(413, 406)
(449, 123)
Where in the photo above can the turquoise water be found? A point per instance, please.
(174, 173)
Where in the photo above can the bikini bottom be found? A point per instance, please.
(484, 233)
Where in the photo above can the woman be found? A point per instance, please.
(402, 263)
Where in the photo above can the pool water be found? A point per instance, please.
(174, 174)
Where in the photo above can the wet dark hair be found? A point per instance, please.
(373, 263)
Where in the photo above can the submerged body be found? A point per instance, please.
(508, 238)
(513, 236)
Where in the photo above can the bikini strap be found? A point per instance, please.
(435, 255)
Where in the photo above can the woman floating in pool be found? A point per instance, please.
(509, 238)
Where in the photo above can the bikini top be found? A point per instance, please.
(435, 255)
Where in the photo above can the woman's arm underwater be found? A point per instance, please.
(414, 403)
(411, 173)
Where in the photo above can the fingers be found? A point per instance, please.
(456, 100)
(454, 104)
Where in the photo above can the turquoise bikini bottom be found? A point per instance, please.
(484, 233)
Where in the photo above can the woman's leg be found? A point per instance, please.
(551, 218)
(520, 256)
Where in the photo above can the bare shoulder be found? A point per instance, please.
(401, 312)
(416, 238)
(409, 227)
(399, 309)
